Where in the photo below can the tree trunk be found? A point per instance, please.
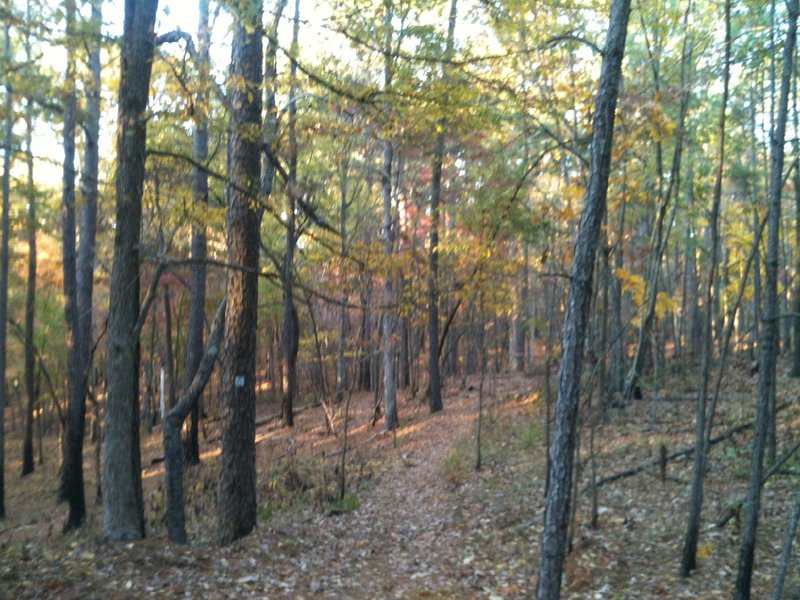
(389, 386)
(197, 304)
(30, 295)
(291, 324)
(434, 376)
(173, 421)
(123, 505)
(341, 363)
(5, 231)
(557, 504)
(766, 372)
(689, 552)
(661, 232)
(237, 479)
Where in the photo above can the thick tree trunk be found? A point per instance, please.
(123, 505)
(559, 494)
(689, 553)
(237, 479)
(766, 372)
(197, 304)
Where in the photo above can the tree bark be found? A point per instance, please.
(173, 421)
(434, 375)
(30, 295)
(768, 350)
(123, 504)
(237, 479)
(389, 384)
(197, 305)
(291, 323)
(557, 504)
(8, 134)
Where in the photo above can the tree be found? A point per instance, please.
(557, 502)
(197, 306)
(769, 334)
(30, 295)
(291, 326)
(237, 479)
(123, 505)
(389, 383)
(689, 553)
(5, 227)
(80, 289)
(434, 376)
(173, 420)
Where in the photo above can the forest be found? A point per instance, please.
(399, 299)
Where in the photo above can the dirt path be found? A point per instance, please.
(426, 525)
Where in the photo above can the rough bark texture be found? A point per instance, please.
(389, 385)
(237, 479)
(689, 552)
(173, 421)
(557, 503)
(197, 306)
(4, 232)
(769, 337)
(123, 506)
(72, 486)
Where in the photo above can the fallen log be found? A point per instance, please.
(679, 453)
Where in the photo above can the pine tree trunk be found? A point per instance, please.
(557, 504)
(237, 473)
(389, 385)
(123, 504)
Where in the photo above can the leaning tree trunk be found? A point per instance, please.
(197, 304)
(689, 553)
(173, 421)
(557, 504)
(123, 504)
(237, 473)
(766, 372)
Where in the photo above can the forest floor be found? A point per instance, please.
(419, 521)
